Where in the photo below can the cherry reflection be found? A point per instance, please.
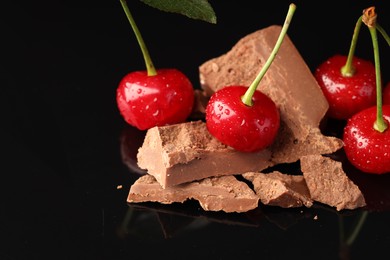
(131, 139)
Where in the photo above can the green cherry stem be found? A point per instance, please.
(148, 61)
(357, 228)
(346, 242)
(348, 70)
(369, 18)
(247, 97)
(384, 34)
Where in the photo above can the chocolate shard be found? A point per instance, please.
(280, 189)
(329, 184)
(288, 82)
(185, 152)
(288, 148)
(224, 193)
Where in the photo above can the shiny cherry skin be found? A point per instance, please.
(347, 95)
(245, 128)
(386, 94)
(367, 149)
(147, 101)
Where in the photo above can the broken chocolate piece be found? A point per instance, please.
(185, 152)
(279, 189)
(288, 82)
(287, 148)
(329, 184)
(224, 193)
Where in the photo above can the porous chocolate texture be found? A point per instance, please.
(280, 189)
(328, 183)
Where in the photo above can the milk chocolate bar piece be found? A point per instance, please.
(185, 152)
(329, 184)
(288, 82)
(280, 189)
(224, 193)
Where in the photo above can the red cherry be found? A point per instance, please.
(243, 117)
(146, 101)
(386, 94)
(153, 97)
(347, 95)
(366, 148)
(245, 128)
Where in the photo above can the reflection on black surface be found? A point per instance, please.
(175, 217)
(348, 236)
(130, 140)
(169, 221)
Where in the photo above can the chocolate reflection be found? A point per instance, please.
(184, 217)
(175, 219)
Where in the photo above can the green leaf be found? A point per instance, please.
(195, 9)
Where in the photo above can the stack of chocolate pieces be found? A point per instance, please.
(184, 161)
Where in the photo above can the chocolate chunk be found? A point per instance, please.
(279, 189)
(185, 152)
(288, 148)
(329, 184)
(224, 193)
(288, 82)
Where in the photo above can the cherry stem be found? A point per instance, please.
(384, 34)
(369, 18)
(346, 243)
(148, 61)
(247, 97)
(348, 70)
(357, 228)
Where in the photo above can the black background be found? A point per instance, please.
(61, 163)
